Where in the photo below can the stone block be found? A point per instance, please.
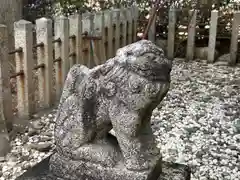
(41, 171)
(75, 170)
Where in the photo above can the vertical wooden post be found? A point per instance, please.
(45, 56)
(99, 30)
(62, 66)
(6, 114)
(191, 35)
(75, 22)
(171, 33)
(24, 61)
(116, 27)
(123, 18)
(135, 15)
(109, 28)
(152, 30)
(72, 46)
(129, 26)
(234, 38)
(87, 27)
(212, 36)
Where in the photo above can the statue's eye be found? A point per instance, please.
(152, 89)
(129, 53)
(135, 86)
(150, 56)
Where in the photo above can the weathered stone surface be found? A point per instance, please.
(41, 171)
(120, 95)
(4, 146)
(43, 146)
(68, 169)
(173, 171)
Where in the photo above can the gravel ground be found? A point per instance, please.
(197, 124)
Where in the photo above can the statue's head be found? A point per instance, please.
(145, 59)
(139, 75)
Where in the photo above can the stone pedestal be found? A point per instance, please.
(41, 171)
(75, 170)
(67, 168)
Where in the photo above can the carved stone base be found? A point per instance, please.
(41, 172)
(76, 170)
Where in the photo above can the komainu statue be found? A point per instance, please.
(120, 95)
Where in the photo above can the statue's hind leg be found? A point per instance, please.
(83, 142)
(104, 154)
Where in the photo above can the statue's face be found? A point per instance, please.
(143, 93)
(146, 82)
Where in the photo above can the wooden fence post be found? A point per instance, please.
(152, 29)
(234, 38)
(116, 27)
(171, 33)
(45, 57)
(99, 31)
(24, 63)
(87, 27)
(191, 35)
(75, 22)
(135, 15)
(109, 32)
(62, 64)
(129, 26)
(212, 36)
(6, 113)
(123, 25)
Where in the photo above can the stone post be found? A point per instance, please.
(234, 38)
(62, 66)
(109, 32)
(75, 22)
(99, 31)
(87, 27)
(171, 33)
(135, 15)
(212, 36)
(191, 35)
(152, 29)
(24, 62)
(116, 27)
(123, 18)
(129, 26)
(45, 56)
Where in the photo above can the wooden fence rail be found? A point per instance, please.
(88, 39)
(192, 32)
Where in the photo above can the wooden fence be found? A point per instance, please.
(88, 39)
(191, 34)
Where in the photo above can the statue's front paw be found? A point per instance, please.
(135, 165)
(154, 151)
(108, 161)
